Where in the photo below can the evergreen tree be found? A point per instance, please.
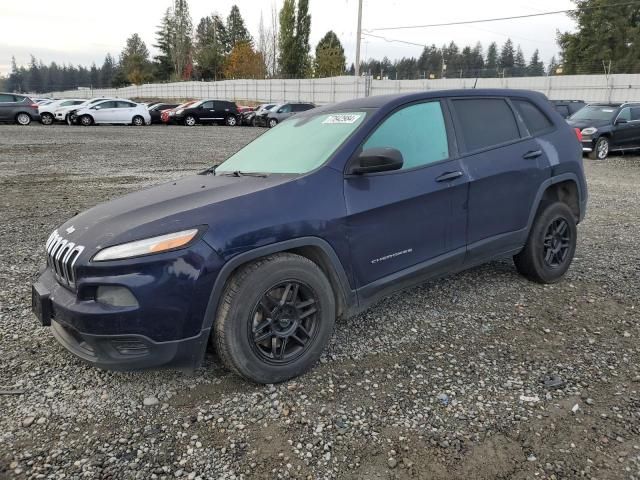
(107, 72)
(135, 61)
(330, 60)
(293, 41)
(236, 30)
(519, 63)
(507, 58)
(163, 65)
(536, 66)
(210, 48)
(491, 64)
(180, 46)
(94, 76)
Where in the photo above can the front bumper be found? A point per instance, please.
(165, 329)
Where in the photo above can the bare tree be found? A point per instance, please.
(268, 41)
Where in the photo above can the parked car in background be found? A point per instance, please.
(112, 112)
(608, 127)
(67, 114)
(316, 219)
(156, 110)
(47, 110)
(248, 118)
(566, 108)
(18, 108)
(280, 113)
(208, 111)
(43, 101)
(167, 116)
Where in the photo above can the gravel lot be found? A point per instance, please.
(443, 381)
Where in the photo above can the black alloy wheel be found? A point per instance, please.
(557, 243)
(284, 322)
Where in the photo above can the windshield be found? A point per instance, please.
(296, 146)
(595, 112)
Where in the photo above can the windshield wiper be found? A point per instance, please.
(209, 171)
(238, 173)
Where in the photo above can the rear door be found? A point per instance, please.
(222, 109)
(409, 219)
(105, 112)
(7, 104)
(506, 166)
(125, 111)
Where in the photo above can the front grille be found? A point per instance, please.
(61, 257)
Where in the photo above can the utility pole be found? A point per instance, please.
(359, 37)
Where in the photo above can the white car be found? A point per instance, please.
(61, 114)
(114, 111)
(47, 110)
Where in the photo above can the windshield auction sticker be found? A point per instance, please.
(342, 118)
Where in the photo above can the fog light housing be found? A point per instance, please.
(115, 296)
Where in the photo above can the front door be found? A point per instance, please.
(627, 135)
(105, 112)
(404, 221)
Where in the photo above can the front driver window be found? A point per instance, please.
(418, 132)
(625, 114)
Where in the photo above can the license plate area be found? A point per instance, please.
(41, 304)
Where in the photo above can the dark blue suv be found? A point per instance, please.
(317, 218)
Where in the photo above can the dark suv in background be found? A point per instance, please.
(315, 219)
(566, 108)
(608, 127)
(272, 117)
(18, 108)
(208, 111)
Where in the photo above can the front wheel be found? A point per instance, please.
(46, 118)
(274, 319)
(551, 245)
(601, 149)
(231, 121)
(86, 120)
(190, 120)
(23, 119)
(272, 122)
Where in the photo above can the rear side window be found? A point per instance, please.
(485, 122)
(535, 120)
(635, 114)
(301, 107)
(208, 105)
(125, 105)
(104, 105)
(417, 131)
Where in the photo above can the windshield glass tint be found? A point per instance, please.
(298, 145)
(594, 112)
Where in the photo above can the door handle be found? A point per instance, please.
(533, 154)
(446, 177)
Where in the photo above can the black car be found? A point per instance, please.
(566, 108)
(249, 118)
(208, 111)
(156, 110)
(18, 108)
(608, 127)
(272, 117)
(316, 219)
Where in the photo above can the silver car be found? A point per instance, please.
(281, 112)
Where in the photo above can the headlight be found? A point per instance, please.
(589, 131)
(147, 246)
(179, 112)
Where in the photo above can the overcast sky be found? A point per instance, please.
(82, 32)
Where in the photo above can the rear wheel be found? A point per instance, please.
(190, 120)
(551, 244)
(272, 122)
(138, 121)
(23, 119)
(601, 149)
(86, 120)
(46, 118)
(231, 121)
(275, 318)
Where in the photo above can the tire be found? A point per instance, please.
(254, 123)
(23, 119)
(137, 121)
(68, 120)
(253, 299)
(190, 120)
(600, 150)
(272, 122)
(46, 118)
(553, 230)
(231, 121)
(86, 120)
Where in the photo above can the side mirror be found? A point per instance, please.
(280, 110)
(620, 121)
(97, 107)
(374, 160)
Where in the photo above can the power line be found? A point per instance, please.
(390, 40)
(515, 17)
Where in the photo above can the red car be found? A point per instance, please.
(166, 115)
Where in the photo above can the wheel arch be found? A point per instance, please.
(315, 249)
(564, 188)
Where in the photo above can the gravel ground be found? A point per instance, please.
(442, 381)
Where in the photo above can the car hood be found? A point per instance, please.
(587, 123)
(170, 207)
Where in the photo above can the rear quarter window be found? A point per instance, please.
(535, 120)
(485, 122)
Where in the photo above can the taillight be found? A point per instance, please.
(35, 105)
(578, 134)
